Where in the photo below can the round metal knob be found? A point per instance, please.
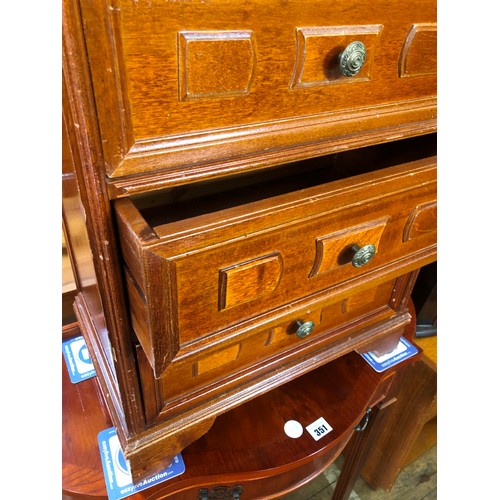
(352, 58)
(305, 328)
(362, 255)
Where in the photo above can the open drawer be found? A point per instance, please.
(199, 283)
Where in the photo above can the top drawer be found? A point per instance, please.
(183, 83)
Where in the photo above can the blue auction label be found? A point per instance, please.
(77, 359)
(403, 351)
(116, 470)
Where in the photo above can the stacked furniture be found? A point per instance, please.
(249, 194)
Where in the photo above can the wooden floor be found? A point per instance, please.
(417, 481)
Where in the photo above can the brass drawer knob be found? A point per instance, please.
(352, 58)
(305, 328)
(362, 255)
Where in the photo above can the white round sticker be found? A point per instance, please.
(293, 429)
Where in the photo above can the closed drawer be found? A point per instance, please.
(211, 279)
(213, 371)
(179, 84)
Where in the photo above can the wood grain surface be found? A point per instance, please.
(246, 446)
(183, 83)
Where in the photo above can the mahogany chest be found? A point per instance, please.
(251, 193)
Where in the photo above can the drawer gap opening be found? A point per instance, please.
(193, 200)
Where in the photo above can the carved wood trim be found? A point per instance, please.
(80, 116)
(105, 372)
(387, 272)
(294, 362)
(182, 159)
(113, 110)
(422, 41)
(173, 155)
(427, 214)
(402, 290)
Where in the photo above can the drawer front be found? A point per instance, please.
(205, 281)
(203, 374)
(183, 83)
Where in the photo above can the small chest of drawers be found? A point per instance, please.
(216, 293)
(257, 183)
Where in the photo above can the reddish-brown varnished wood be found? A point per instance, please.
(299, 245)
(213, 370)
(184, 83)
(147, 105)
(415, 389)
(358, 448)
(100, 280)
(246, 446)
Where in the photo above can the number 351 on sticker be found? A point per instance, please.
(319, 428)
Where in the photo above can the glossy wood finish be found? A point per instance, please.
(358, 448)
(179, 84)
(211, 371)
(416, 390)
(188, 419)
(100, 294)
(299, 246)
(246, 446)
(133, 130)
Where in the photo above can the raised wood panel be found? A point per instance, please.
(249, 280)
(318, 50)
(201, 376)
(419, 52)
(179, 84)
(221, 358)
(336, 249)
(163, 93)
(422, 221)
(215, 64)
(181, 269)
(359, 300)
(274, 143)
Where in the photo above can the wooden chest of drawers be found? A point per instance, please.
(258, 189)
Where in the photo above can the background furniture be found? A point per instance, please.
(409, 428)
(246, 450)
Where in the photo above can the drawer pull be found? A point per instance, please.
(221, 492)
(352, 58)
(305, 328)
(364, 423)
(362, 255)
